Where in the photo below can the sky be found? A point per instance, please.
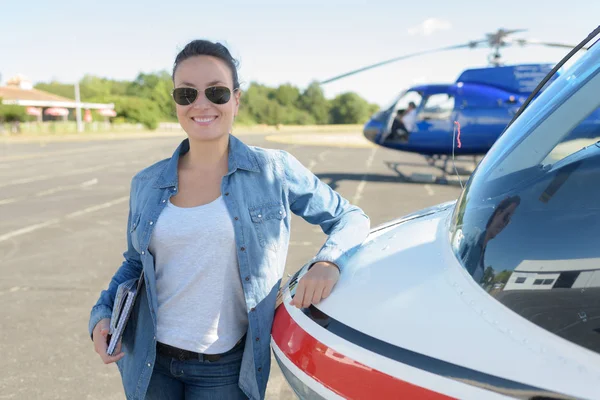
(281, 41)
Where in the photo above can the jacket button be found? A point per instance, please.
(143, 253)
(259, 369)
(227, 194)
(247, 278)
(252, 309)
(257, 339)
(236, 218)
(243, 249)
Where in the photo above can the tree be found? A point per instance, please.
(314, 102)
(156, 87)
(502, 277)
(349, 108)
(12, 113)
(57, 88)
(287, 95)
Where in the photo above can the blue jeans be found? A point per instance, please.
(173, 379)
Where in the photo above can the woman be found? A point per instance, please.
(210, 227)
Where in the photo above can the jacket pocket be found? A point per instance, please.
(268, 220)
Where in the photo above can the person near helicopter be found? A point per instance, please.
(405, 122)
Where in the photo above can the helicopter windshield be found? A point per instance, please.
(527, 225)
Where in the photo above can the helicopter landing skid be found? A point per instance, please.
(446, 165)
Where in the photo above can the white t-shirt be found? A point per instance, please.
(201, 304)
(409, 119)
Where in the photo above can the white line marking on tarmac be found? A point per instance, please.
(75, 172)
(51, 191)
(53, 153)
(429, 190)
(54, 221)
(91, 182)
(28, 229)
(322, 155)
(363, 182)
(97, 207)
(8, 201)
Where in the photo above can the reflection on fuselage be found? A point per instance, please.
(531, 241)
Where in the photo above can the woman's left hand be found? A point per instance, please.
(316, 284)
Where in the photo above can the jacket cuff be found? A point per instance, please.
(98, 313)
(330, 254)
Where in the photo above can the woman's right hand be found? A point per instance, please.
(100, 337)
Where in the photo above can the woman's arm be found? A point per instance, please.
(130, 268)
(346, 225)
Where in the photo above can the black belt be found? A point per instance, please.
(183, 355)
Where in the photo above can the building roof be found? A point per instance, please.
(19, 91)
(16, 93)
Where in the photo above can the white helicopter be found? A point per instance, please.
(493, 296)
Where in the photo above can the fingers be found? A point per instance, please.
(318, 293)
(299, 296)
(101, 346)
(327, 289)
(311, 290)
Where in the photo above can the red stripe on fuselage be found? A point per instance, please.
(340, 374)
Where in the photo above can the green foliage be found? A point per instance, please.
(57, 88)
(349, 108)
(502, 277)
(148, 100)
(133, 110)
(157, 88)
(10, 113)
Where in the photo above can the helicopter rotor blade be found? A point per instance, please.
(472, 44)
(506, 32)
(523, 42)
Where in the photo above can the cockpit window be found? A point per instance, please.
(527, 225)
(412, 96)
(437, 106)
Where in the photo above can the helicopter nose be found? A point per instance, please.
(370, 134)
(372, 129)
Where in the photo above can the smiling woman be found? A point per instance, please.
(210, 228)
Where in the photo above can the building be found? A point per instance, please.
(47, 106)
(555, 274)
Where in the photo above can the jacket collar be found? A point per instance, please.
(240, 157)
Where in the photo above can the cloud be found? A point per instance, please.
(429, 26)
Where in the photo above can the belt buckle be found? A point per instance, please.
(181, 355)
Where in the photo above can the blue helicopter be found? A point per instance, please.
(466, 117)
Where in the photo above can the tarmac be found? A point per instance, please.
(63, 208)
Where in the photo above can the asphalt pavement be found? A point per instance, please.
(63, 212)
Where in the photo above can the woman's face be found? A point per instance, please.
(501, 220)
(203, 119)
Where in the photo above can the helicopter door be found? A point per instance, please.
(411, 96)
(435, 121)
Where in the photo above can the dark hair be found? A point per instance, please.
(208, 48)
(503, 205)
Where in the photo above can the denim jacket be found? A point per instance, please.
(261, 189)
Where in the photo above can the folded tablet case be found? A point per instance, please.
(124, 302)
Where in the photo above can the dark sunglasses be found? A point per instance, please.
(184, 96)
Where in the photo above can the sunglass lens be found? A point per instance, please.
(185, 96)
(218, 94)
